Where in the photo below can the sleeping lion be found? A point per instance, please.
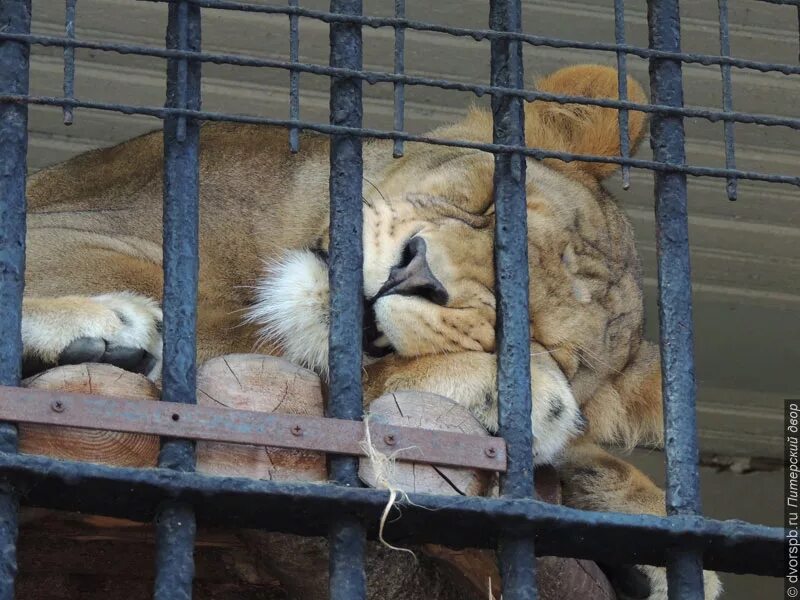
(94, 277)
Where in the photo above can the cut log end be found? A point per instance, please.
(432, 412)
(265, 384)
(92, 445)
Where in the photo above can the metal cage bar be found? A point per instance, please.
(309, 509)
(684, 567)
(294, 79)
(516, 554)
(399, 69)
(15, 16)
(488, 34)
(622, 90)
(175, 522)
(177, 498)
(536, 153)
(727, 96)
(373, 77)
(69, 59)
(347, 538)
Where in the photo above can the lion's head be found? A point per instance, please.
(428, 245)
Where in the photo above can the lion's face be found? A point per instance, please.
(428, 247)
(429, 275)
(428, 284)
(428, 281)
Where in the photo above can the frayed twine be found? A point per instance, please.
(383, 468)
(491, 592)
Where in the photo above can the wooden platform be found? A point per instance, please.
(70, 557)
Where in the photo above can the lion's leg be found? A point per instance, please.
(95, 298)
(593, 479)
(628, 410)
(469, 378)
(90, 298)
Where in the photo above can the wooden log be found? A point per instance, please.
(242, 381)
(92, 445)
(66, 556)
(475, 570)
(254, 559)
(427, 411)
(267, 384)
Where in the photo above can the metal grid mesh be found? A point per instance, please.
(178, 498)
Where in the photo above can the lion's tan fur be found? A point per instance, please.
(102, 210)
(95, 227)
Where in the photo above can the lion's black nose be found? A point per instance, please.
(413, 277)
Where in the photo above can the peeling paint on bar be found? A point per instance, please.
(294, 79)
(346, 536)
(15, 16)
(399, 69)
(175, 526)
(516, 553)
(727, 96)
(622, 90)
(69, 59)
(684, 566)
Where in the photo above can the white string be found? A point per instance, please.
(383, 469)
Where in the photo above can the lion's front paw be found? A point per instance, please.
(557, 418)
(469, 378)
(122, 329)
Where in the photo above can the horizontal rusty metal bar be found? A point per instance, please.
(458, 521)
(301, 432)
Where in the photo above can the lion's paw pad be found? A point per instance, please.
(121, 329)
(98, 350)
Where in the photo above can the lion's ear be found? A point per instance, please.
(582, 129)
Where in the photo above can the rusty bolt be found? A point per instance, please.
(491, 452)
(297, 430)
(57, 406)
(389, 440)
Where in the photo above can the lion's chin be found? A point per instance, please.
(292, 310)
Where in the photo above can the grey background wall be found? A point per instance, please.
(746, 491)
(746, 256)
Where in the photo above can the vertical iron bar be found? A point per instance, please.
(622, 85)
(15, 17)
(684, 567)
(69, 59)
(181, 222)
(727, 96)
(175, 524)
(399, 69)
(175, 534)
(294, 79)
(517, 561)
(347, 536)
(181, 65)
